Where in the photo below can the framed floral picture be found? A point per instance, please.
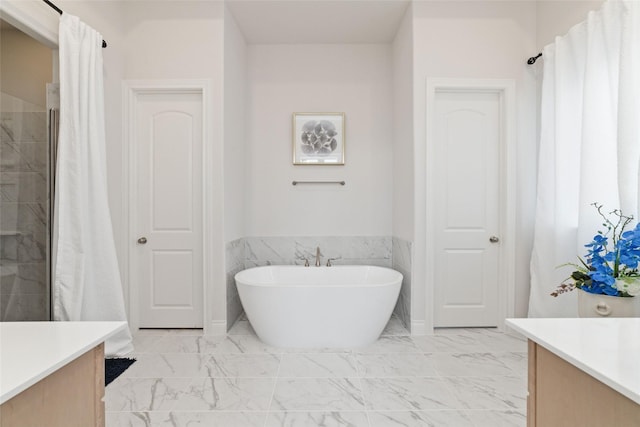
(318, 139)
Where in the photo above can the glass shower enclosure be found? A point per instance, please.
(25, 176)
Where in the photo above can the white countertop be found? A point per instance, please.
(29, 351)
(608, 349)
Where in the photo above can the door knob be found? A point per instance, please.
(142, 240)
(494, 239)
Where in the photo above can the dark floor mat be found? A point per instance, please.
(114, 367)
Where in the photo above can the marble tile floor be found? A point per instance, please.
(455, 378)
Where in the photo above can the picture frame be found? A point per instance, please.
(318, 139)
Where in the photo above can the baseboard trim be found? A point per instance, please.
(418, 327)
(217, 327)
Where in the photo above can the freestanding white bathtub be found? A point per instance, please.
(304, 307)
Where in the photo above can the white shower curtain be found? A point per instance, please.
(86, 277)
(589, 144)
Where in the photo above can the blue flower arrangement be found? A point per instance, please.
(611, 265)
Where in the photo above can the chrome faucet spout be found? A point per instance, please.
(318, 256)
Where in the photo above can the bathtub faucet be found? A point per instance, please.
(332, 259)
(318, 256)
(306, 261)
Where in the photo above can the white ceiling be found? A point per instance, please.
(318, 21)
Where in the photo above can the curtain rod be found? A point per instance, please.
(530, 61)
(57, 9)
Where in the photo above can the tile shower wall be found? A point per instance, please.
(234, 262)
(401, 261)
(24, 293)
(294, 250)
(359, 250)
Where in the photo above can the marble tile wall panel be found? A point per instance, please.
(234, 305)
(401, 261)
(234, 262)
(6, 134)
(23, 307)
(23, 126)
(234, 258)
(23, 211)
(23, 217)
(23, 278)
(24, 187)
(27, 248)
(373, 250)
(9, 155)
(23, 156)
(269, 251)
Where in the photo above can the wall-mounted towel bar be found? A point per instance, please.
(318, 182)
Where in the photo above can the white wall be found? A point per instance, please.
(403, 147)
(476, 39)
(34, 18)
(155, 40)
(26, 67)
(174, 39)
(235, 82)
(184, 40)
(354, 79)
(555, 18)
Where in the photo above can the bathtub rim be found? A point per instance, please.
(397, 280)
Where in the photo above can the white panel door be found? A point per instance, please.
(169, 223)
(467, 212)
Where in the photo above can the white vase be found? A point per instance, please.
(599, 305)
